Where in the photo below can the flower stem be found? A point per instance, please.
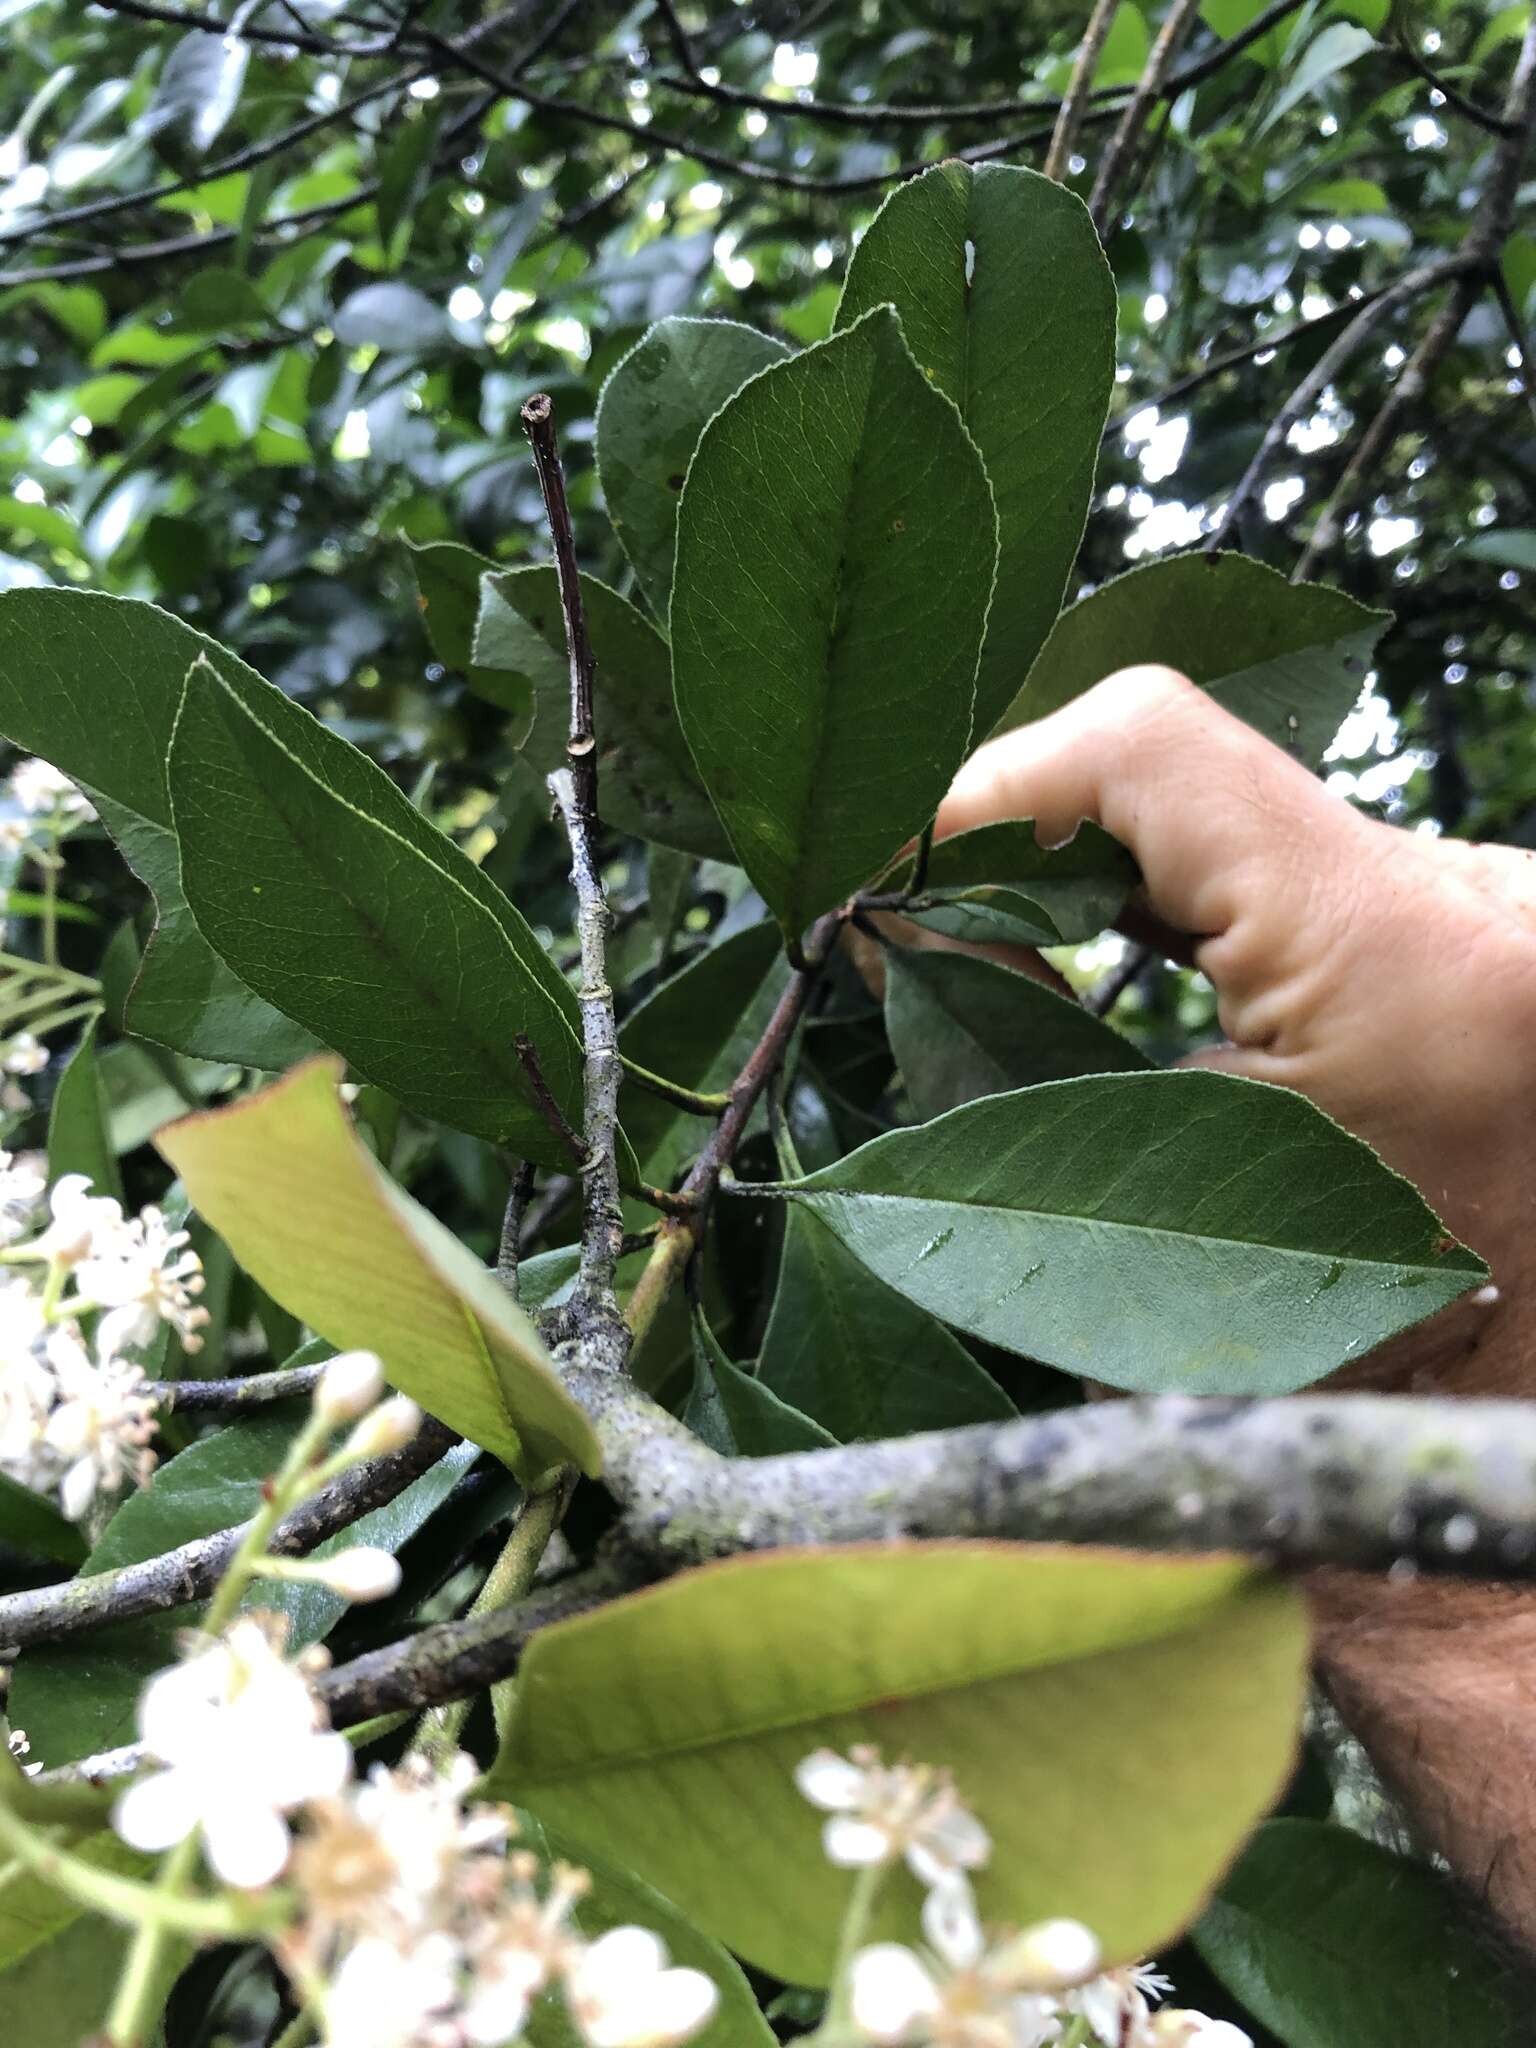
(50, 868)
(1075, 2034)
(134, 2006)
(861, 1904)
(510, 1578)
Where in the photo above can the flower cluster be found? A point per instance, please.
(967, 1988)
(45, 800)
(74, 1416)
(425, 1928)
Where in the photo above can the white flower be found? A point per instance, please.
(1181, 2029)
(384, 1996)
(100, 1427)
(142, 1274)
(1119, 2002)
(82, 1225)
(363, 1573)
(17, 1747)
(21, 1189)
(38, 786)
(389, 1427)
(966, 1994)
(15, 833)
(622, 1994)
(244, 1741)
(26, 1384)
(885, 1811)
(25, 1054)
(524, 1944)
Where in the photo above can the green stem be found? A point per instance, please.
(510, 1579)
(65, 975)
(125, 1900)
(134, 2007)
(674, 1092)
(295, 1479)
(300, 2030)
(861, 1904)
(1075, 2035)
(41, 1026)
(50, 868)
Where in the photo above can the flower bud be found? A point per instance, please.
(363, 1573)
(388, 1427)
(1054, 1953)
(349, 1386)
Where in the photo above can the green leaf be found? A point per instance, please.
(324, 887)
(844, 1348)
(740, 1416)
(650, 414)
(395, 318)
(214, 300)
(1334, 1943)
(69, 661)
(1119, 1723)
(1331, 51)
(697, 1029)
(835, 551)
(1290, 658)
(620, 1899)
(31, 1523)
(1009, 307)
(1512, 547)
(79, 1139)
(196, 94)
(1189, 1231)
(306, 1209)
(963, 1026)
(647, 783)
(997, 882)
(59, 1966)
(448, 592)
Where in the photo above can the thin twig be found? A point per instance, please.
(256, 1390)
(191, 1571)
(1126, 140)
(559, 1123)
(1499, 284)
(510, 1247)
(1102, 998)
(574, 789)
(1495, 124)
(1074, 104)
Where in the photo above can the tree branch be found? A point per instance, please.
(255, 1390)
(574, 788)
(1075, 102)
(1124, 144)
(190, 1572)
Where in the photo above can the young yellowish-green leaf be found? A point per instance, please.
(657, 401)
(1185, 1231)
(835, 551)
(1118, 1723)
(647, 783)
(327, 890)
(1290, 658)
(962, 1026)
(1009, 307)
(306, 1209)
(70, 660)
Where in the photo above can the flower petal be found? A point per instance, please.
(157, 1811)
(890, 1989)
(246, 1845)
(951, 1924)
(851, 1844)
(830, 1781)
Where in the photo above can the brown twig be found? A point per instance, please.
(1125, 143)
(553, 1115)
(1074, 103)
(510, 1247)
(255, 1390)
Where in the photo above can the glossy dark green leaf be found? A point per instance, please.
(79, 1136)
(448, 592)
(647, 783)
(1009, 307)
(58, 1965)
(70, 661)
(652, 410)
(738, 1414)
(1187, 1231)
(1290, 658)
(835, 550)
(697, 1029)
(77, 1697)
(997, 883)
(847, 1350)
(1334, 1943)
(214, 300)
(30, 1522)
(963, 1026)
(323, 886)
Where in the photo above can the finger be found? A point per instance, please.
(1213, 812)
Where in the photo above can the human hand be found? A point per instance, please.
(1392, 978)
(1388, 975)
